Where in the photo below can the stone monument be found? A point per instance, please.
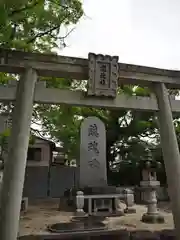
(99, 198)
(93, 153)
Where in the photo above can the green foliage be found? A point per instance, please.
(4, 138)
(63, 124)
(125, 129)
(35, 25)
(61, 121)
(5, 135)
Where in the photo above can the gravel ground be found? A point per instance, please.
(43, 213)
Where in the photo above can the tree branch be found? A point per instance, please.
(38, 35)
(49, 31)
(40, 133)
(65, 36)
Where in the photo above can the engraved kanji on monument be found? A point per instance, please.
(103, 75)
(93, 153)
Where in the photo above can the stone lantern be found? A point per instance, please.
(149, 185)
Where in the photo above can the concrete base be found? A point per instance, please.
(80, 214)
(152, 218)
(119, 213)
(107, 214)
(129, 210)
(24, 205)
(87, 218)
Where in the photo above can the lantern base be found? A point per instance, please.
(152, 218)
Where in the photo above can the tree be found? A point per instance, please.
(36, 25)
(125, 129)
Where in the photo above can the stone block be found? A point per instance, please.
(145, 235)
(153, 218)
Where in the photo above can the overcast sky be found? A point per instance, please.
(145, 32)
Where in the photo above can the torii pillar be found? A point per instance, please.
(170, 151)
(13, 179)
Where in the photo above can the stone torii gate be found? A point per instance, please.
(103, 73)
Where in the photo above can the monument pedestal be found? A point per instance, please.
(101, 201)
